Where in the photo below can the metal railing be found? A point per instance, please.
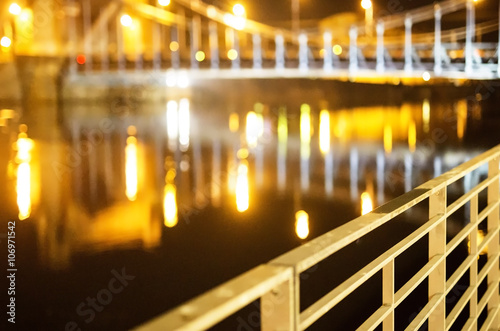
(208, 31)
(277, 282)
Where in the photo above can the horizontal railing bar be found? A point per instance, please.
(470, 325)
(455, 277)
(459, 306)
(212, 307)
(328, 301)
(465, 265)
(425, 312)
(318, 249)
(486, 269)
(492, 313)
(486, 211)
(417, 279)
(466, 197)
(464, 233)
(486, 297)
(378, 317)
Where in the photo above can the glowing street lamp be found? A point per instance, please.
(5, 42)
(164, 3)
(126, 20)
(368, 7)
(239, 10)
(15, 9)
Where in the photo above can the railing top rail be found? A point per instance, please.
(311, 253)
(213, 306)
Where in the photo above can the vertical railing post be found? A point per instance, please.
(87, 34)
(181, 33)
(175, 56)
(380, 47)
(72, 39)
(388, 294)
(156, 45)
(408, 45)
(214, 44)
(494, 245)
(104, 44)
(437, 40)
(235, 64)
(498, 44)
(327, 46)
(119, 45)
(437, 246)
(195, 40)
(279, 309)
(473, 268)
(280, 52)
(257, 51)
(353, 49)
(469, 35)
(303, 61)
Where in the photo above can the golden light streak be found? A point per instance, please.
(480, 238)
(24, 146)
(242, 189)
(387, 139)
(324, 131)
(412, 136)
(170, 200)
(426, 115)
(234, 122)
(302, 224)
(366, 203)
(461, 118)
(305, 123)
(131, 165)
(252, 129)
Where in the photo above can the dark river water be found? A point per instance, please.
(125, 208)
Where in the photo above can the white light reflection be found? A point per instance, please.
(172, 124)
(282, 147)
(324, 131)
(131, 165)
(252, 130)
(302, 224)
(305, 145)
(426, 115)
(366, 203)
(242, 189)
(184, 124)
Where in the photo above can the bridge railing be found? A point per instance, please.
(278, 282)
